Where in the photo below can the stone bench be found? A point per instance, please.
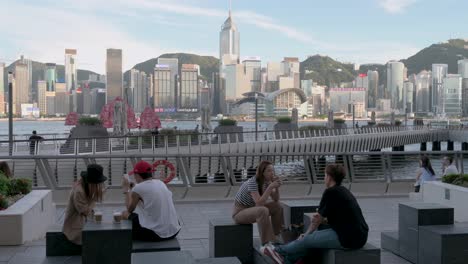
(294, 211)
(107, 243)
(58, 245)
(369, 254)
(147, 246)
(228, 260)
(228, 239)
(413, 215)
(166, 257)
(390, 242)
(443, 244)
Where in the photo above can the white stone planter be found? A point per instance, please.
(449, 195)
(27, 219)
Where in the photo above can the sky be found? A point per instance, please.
(358, 31)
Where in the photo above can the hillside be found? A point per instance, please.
(208, 64)
(447, 53)
(326, 71)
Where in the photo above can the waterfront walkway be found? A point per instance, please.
(381, 215)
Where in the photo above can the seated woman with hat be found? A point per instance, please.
(84, 195)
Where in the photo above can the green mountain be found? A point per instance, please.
(327, 71)
(446, 53)
(208, 64)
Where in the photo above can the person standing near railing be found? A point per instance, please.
(33, 142)
(425, 173)
(252, 206)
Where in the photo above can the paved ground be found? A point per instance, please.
(381, 215)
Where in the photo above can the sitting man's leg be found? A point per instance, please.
(141, 233)
(297, 249)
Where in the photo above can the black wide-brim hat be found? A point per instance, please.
(94, 174)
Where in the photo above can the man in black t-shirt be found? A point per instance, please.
(340, 210)
(33, 141)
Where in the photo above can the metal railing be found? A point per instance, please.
(177, 143)
(60, 172)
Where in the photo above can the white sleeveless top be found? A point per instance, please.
(156, 212)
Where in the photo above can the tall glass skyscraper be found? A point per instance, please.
(395, 79)
(50, 76)
(2, 89)
(451, 95)
(21, 87)
(372, 90)
(229, 42)
(188, 94)
(253, 71)
(163, 90)
(439, 72)
(114, 80)
(423, 99)
(70, 69)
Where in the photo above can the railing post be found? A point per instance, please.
(93, 145)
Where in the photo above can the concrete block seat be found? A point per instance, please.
(145, 246)
(62, 260)
(228, 260)
(371, 188)
(443, 244)
(58, 245)
(167, 257)
(389, 241)
(211, 192)
(228, 239)
(369, 254)
(294, 211)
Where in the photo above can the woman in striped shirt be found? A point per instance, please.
(252, 204)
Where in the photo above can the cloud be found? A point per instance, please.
(396, 6)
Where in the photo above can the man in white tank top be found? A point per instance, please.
(149, 206)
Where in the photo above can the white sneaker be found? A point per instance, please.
(269, 250)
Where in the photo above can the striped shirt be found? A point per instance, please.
(243, 196)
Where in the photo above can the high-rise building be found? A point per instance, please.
(306, 86)
(423, 82)
(62, 106)
(290, 67)
(71, 78)
(98, 100)
(274, 71)
(20, 88)
(50, 76)
(2, 90)
(205, 96)
(439, 72)
(163, 89)
(236, 82)
(50, 103)
(139, 90)
(395, 79)
(114, 81)
(188, 94)
(173, 66)
(41, 99)
(253, 71)
(451, 95)
(343, 99)
(373, 89)
(229, 41)
(463, 71)
(219, 95)
(32, 90)
(408, 99)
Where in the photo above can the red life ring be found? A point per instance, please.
(168, 165)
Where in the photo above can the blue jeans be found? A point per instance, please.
(297, 249)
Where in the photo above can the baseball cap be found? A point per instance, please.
(141, 167)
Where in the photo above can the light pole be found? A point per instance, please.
(10, 113)
(256, 116)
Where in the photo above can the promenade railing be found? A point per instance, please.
(176, 142)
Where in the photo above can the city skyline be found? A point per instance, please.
(266, 29)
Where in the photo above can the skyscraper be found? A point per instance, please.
(114, 81)
(439, 72)
(188, 94)
(463, 71)
(21, 87)
(236, 82)
(452, 95)
(170, 91)
(274, 71)
(163, 97)
(253, 71)
(62, 106)
(50, 76)
(373, 89)
(423, 82)
(408, 99)
(395, 79)
(139, 90)
(70, 69)
(291, 68)
(229, 42)
(2, 89)
(32, 93)
(41, 97)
